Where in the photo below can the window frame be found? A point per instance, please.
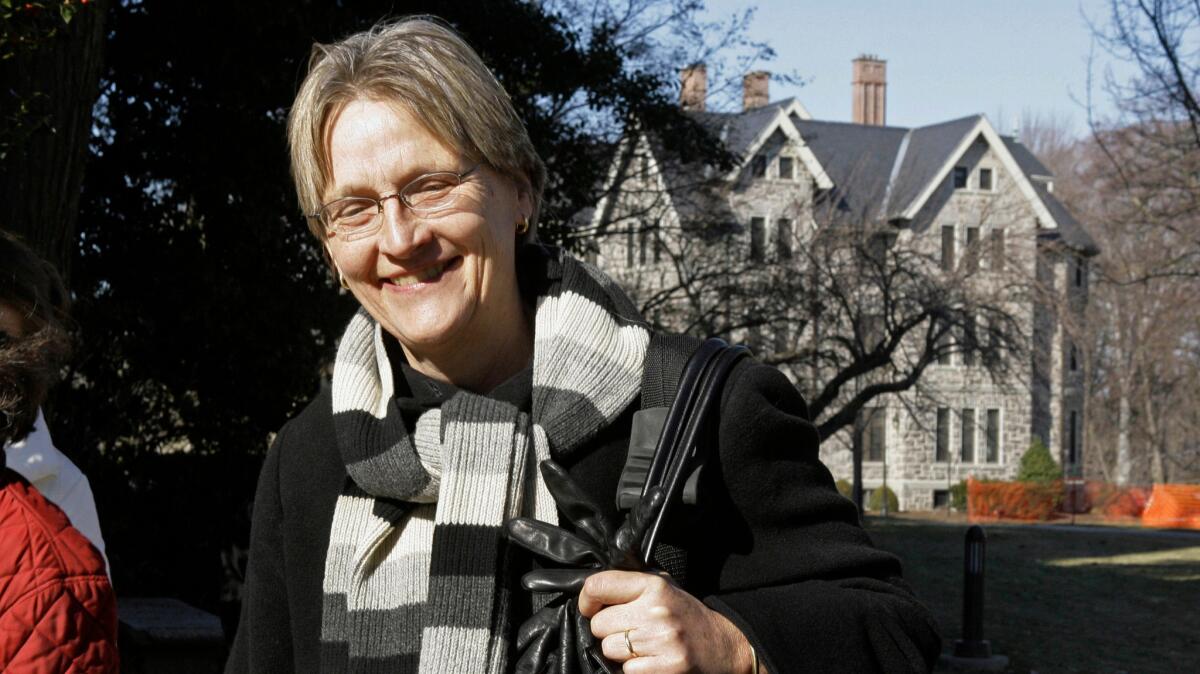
(959, 177)
(871, 438)
(791, 173)
(997, 457)
(785, 233)
(941, 452)
(971, 248)
(991, 174)
(758, 238)
(967, 421)
(758, 166)
(949, 252)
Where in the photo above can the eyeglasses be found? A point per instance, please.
(354, 218)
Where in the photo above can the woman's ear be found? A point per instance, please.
(524, 201)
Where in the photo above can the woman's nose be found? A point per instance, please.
(400, 232)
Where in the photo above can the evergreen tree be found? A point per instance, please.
(1037, 465)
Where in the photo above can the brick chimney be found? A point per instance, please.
(693, 87)
(870, 90)
(756, 89)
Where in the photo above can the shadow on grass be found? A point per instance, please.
(1061, 601)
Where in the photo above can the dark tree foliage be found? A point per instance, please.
(205, 312)
(50, 59)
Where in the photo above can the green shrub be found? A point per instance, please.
(1037, 465)
(845, 489)
(958, 496)
(875, 502)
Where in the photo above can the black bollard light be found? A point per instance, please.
(972, 644)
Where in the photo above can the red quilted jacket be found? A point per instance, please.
(58, 612)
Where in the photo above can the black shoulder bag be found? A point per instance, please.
(558, 639)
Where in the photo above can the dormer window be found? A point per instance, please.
(985, 179)
(960, 177)
(787, 168)
(758, 166)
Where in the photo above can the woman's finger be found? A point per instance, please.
(614, 647)
(609, 588)
(569, 581)
(614, 619)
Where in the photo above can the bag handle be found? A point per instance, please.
(683, 444)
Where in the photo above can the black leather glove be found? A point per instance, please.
(558, 639)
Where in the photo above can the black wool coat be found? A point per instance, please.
(774, 547)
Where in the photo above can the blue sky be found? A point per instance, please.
(945, 59)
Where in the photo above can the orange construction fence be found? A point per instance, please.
(989, 501)
(1173, 505)
(1113, 502)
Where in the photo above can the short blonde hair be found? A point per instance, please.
(419, 63)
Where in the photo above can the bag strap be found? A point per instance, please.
(666, 357)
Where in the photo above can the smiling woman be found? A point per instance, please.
(435, 279)
(478, 354)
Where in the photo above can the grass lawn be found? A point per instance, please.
(1089, 600)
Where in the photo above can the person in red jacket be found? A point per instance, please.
(58, 612)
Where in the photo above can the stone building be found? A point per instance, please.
(958, 189)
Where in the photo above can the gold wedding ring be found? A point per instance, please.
(629, 644)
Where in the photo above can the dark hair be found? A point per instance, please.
(29, 363)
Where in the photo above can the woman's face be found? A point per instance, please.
(433, 281)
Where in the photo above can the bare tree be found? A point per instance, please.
(1134, 181)
(1153, 144)
(852, 307)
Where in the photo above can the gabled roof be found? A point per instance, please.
(1029, 163)
(855, 155)
(886, 171)
(1069, 230)
(744, 132)
(928, 150)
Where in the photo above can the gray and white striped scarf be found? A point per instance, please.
(416, 574)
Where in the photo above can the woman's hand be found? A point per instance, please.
(670, 631)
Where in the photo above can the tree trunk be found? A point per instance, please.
(1124, 461)
(857, 448)
(42, 174)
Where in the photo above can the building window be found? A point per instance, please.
(644, 166)
(1078, 272)
(758, 166)
(985, 179)
(998, 254)
(971, 255)
(874, 434)
(993, 436)
(787, 168)
(942, 447)
(968, 436)
(758, 238)
(1074, 361)
(960, 177)
(783, 238)
(1072, 440)
(941, 498)
(630, 248)
(948, 247)
(970, 341)
(643, 244)
(658, 248)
